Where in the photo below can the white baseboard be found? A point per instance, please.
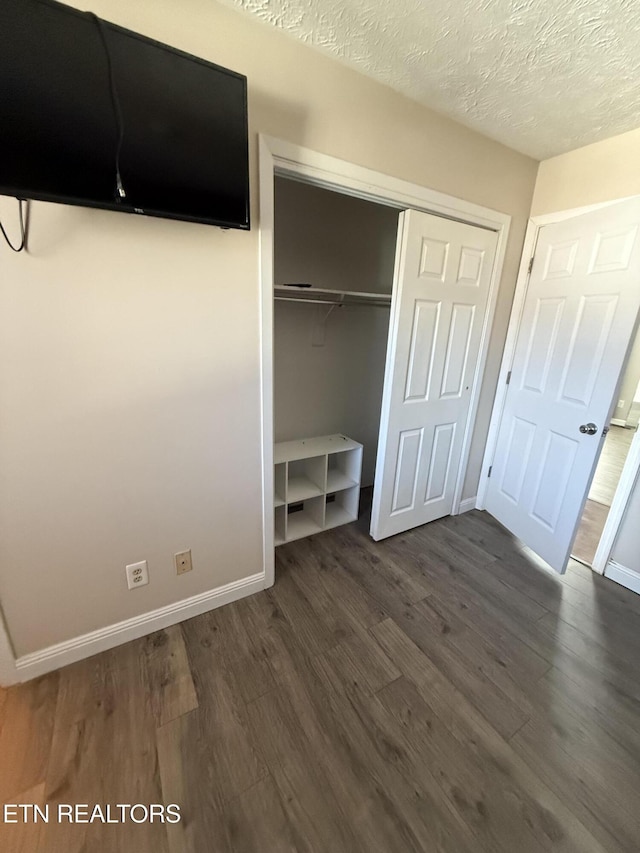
(623, 575)
(618, 422)
(467, 504)
(38, 663)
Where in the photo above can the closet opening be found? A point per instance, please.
(416, 273)
(333, 267)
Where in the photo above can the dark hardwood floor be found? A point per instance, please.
(436, 692)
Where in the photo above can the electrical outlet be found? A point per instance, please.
(622, 404)
(137, 574)
(183, 562)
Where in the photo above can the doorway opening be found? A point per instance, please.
(613, 457)
(574, 315)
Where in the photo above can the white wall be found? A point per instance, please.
(630, 381)
(601, 172)
(337, 242)
(129, 348)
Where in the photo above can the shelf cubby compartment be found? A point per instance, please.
(343, 470)
(280, 514)
(305, 518)
(280, 484)
(316, 485)
(306, 478)
(342, 507)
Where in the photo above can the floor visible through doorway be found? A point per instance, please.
(603, 488)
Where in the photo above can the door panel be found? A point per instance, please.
(423, 343)
(404, 491)
(577, 324)
(440, 462)
(441, 288)
(457, 351)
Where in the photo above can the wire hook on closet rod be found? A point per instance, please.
(319, 333)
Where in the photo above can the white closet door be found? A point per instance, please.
(577, 322)
(441, 288)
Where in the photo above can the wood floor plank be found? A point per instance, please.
(24, 837)
(585, 784)
(375, 570)
(107, 757)
(556, 827)
(186, 760)
(404, 783)
(216, 734)
(364, 801)
(466, 673)
(609, 595)
(479, 600)
(319, 631)
(513, 666)
(491, 810)
(219, 638)
(257, 821)
(486, 575)
(543, 583)
(584, 645)
(299, 567)
(595, 700)
(361, 661)
(594, 518)
(309, 794)
(619, 639)
(347, 595)
(25, 739)
(169, 675)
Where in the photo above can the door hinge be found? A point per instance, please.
(530, 265)
(490, 470)
(605, 430)
(508, 377)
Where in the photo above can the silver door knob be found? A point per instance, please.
(589, 429)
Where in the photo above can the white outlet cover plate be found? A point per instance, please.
(137, 574)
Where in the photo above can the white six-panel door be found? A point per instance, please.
(577, 323)
(441, 289)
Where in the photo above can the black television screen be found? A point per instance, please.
(87, 107)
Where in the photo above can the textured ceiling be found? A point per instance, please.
(542, 76)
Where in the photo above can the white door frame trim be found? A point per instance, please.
(278, 157)
(632, 465)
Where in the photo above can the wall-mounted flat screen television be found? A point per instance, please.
(96, 115)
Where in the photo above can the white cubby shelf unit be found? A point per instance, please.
(317, 485)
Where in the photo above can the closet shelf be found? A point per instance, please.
(302, 488)
(337, 480)
(323, 296)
